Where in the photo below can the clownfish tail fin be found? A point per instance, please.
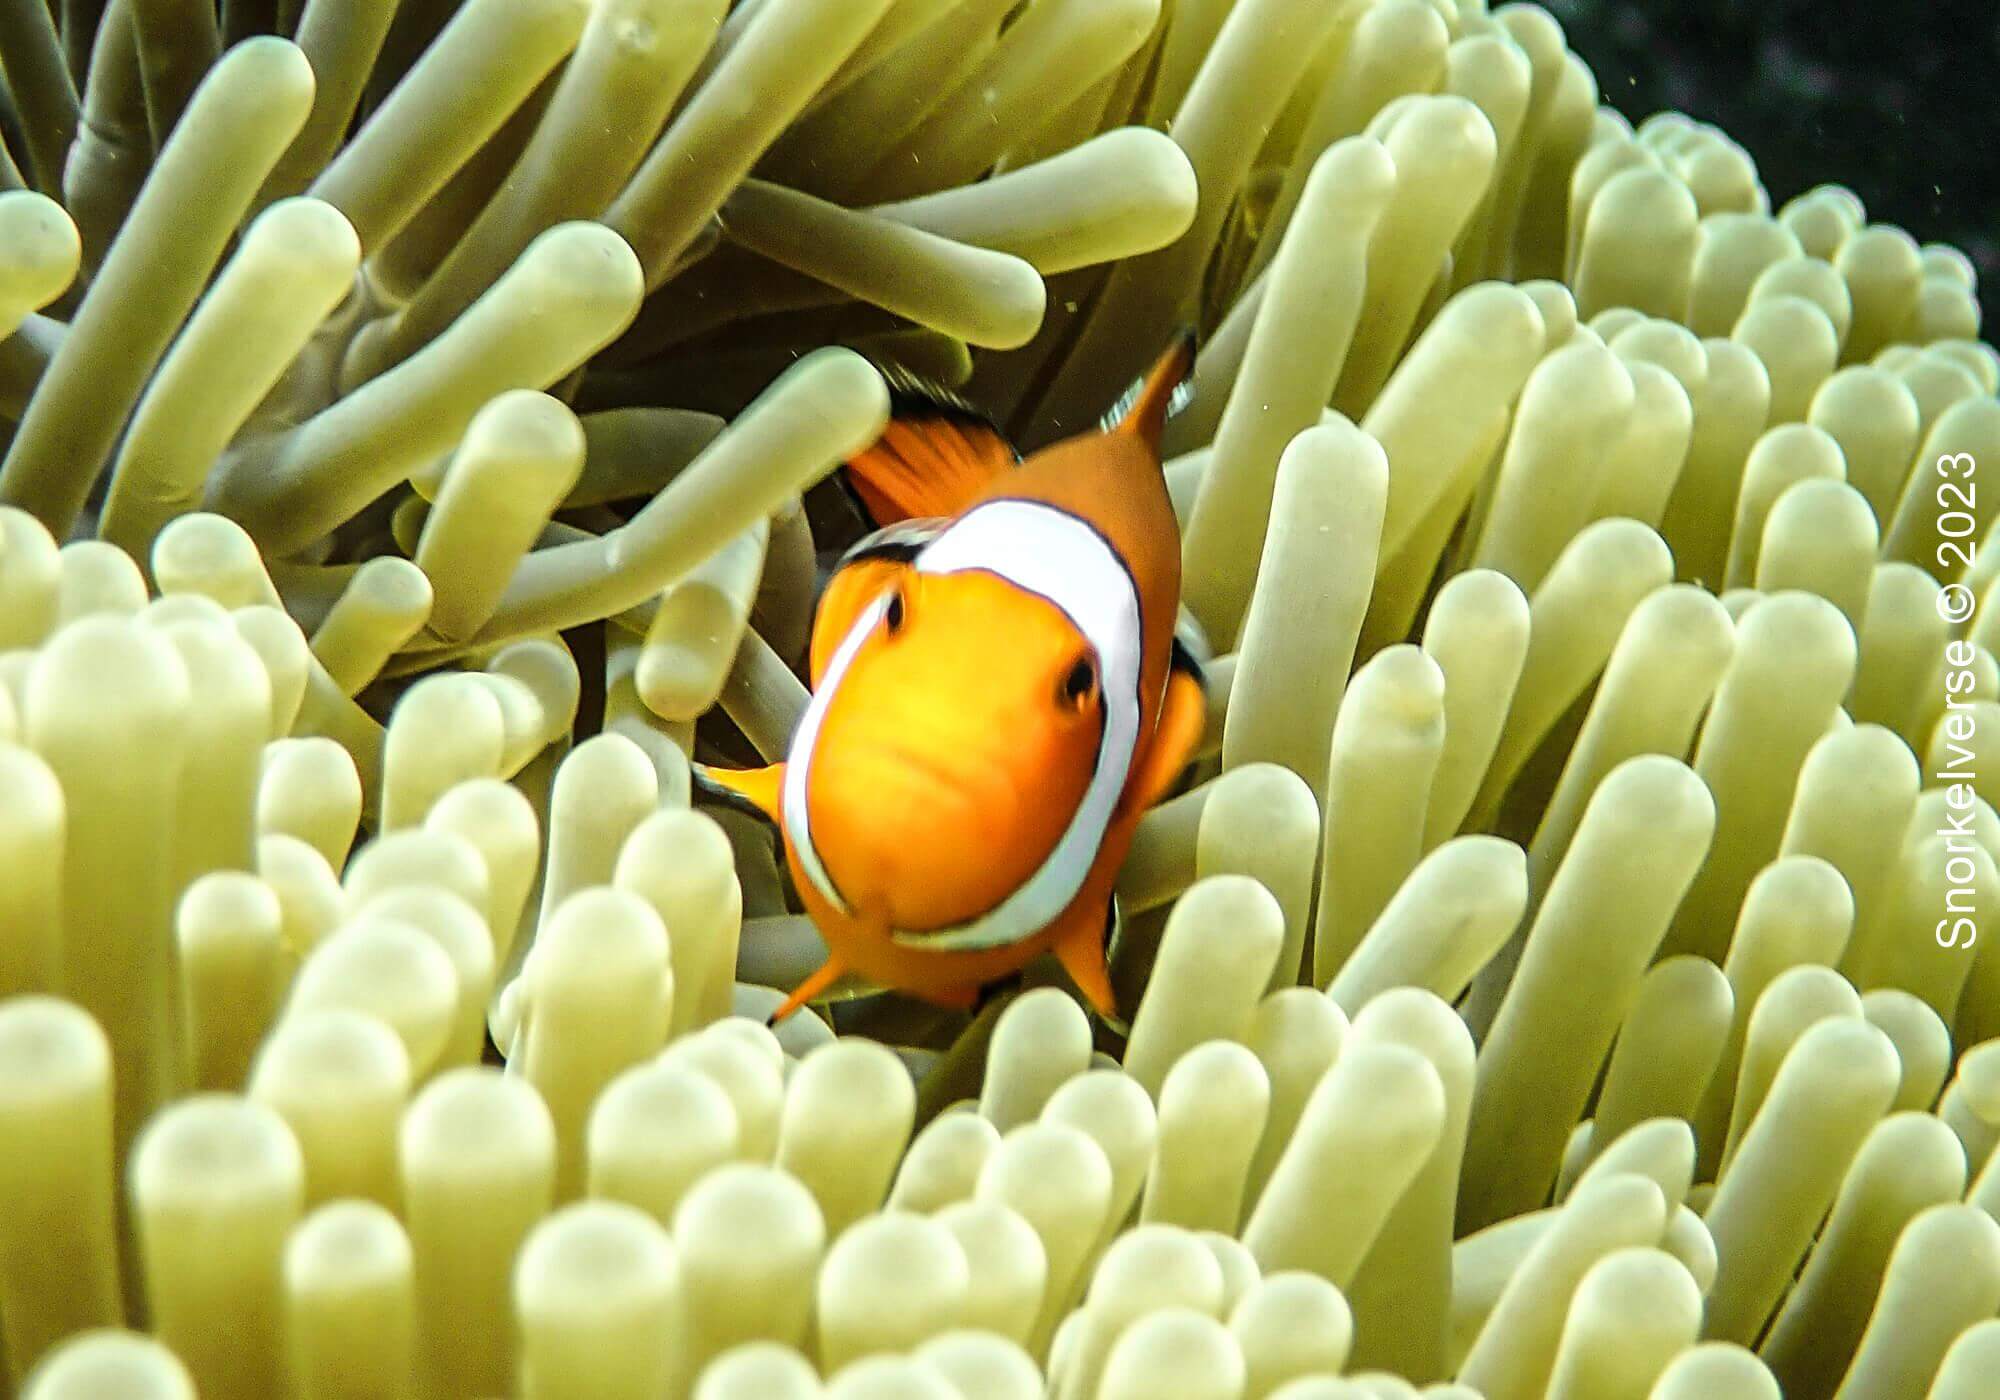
(936, 455)
(1157, 395)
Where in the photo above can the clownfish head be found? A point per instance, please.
(961, 759)
(954, 750)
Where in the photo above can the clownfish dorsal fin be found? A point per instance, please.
(935, 457)
(1158, 395)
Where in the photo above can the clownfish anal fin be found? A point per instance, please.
(1157, 395)
(937, 454)
(1079, 946)
(756, 790)
(951, 998)
(1183, 718)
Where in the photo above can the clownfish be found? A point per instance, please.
(999, 691)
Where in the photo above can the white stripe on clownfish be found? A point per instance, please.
(799, 767)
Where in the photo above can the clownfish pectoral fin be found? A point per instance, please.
(1144, 408)
(758, 789)
(1183, 718)
(1079, 946)
(935, 456)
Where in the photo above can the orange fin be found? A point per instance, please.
(1079, 947)
(950, 998)
(935, 457)
(1146, 406)
(759, 787)
(821, 982)
(1183, 718)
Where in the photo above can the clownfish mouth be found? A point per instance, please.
(916, 837)
(917, 791)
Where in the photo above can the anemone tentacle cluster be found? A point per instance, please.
(1566, 972)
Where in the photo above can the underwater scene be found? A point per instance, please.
(992, 699)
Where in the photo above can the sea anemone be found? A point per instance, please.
(1560, 974)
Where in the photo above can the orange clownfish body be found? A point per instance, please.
(998, 696)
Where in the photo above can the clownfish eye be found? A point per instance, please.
(892, 615)
(1079, 685)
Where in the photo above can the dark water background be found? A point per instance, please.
(1901, 103)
